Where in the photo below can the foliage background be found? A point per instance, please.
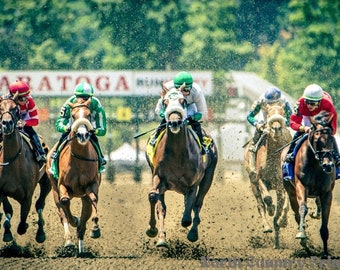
(291, 43)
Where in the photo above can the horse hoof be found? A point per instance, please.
(8, 237)
(315, 215)
(267, 229)
(186, 223)
(192, 235)
(95, 233)
(68, 243)
(162, 243)
(152, 232)
(22, 228)
(301, 235)
(41, 236)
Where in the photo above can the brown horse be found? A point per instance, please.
(20, 173)
(267, 173)
(314, 176)
(178, 165)
(78, 176)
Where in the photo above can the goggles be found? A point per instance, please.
(312, 102)
(22, 99)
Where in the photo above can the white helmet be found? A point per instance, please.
(313, 92)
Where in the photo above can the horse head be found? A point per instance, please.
(322, 141)
(81, 116)
(276, 121)
(174, 109)
(10, 114)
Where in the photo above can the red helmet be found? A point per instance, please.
(20, 87)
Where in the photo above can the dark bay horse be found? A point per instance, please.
(178, 165)
(267, 173)
(314, 176)
(78, 176)
(20, 173)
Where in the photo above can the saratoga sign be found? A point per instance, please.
(106, 83)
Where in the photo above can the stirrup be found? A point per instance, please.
(54, 155)
(153, 141)
(103, 161)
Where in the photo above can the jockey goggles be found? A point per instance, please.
(312, 102)
(22, 99)
(187, 89)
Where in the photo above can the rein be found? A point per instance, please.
(81, 157)
(318, 154)
(13, 158)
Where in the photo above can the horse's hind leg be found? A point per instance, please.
(45, 188)
(278, 215)
(317, 213)
(8, 209)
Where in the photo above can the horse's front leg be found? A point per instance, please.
(161, 212)
(95, 231)
(189, 199)
(326, 202)
(260, 204)
(303, 209)
(8, 209)
(152, 231)
(86, 212)
(24, 210)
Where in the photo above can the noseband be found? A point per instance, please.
(325, 155)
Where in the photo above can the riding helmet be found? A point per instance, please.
(183, 77)
(21, 87)
(272, 94)
(84, 89)
(313, 92)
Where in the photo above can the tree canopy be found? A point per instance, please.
(291, 43)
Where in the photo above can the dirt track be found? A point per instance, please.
(230, 232)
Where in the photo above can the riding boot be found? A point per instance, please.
(198, 129)
(41, 155)
(102, 160)
(157, 132)
(290, 157)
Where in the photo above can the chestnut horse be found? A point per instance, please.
(20, 173)
(314, 176)
(266, 175)
(78, 176)
(178, 165)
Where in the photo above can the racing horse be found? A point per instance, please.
(178, 165)
(20, 173)
(78, 176)
(266, 175)
(314, 176)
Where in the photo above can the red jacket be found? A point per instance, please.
(29, 112)
(301, 115)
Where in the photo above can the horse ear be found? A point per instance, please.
(163, 91)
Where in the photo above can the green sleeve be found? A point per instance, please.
(100, 117)
(63, 120)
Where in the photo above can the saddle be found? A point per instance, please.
(150, 150)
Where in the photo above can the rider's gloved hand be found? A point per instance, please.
(197, 116)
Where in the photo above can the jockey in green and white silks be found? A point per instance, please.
(98, 119)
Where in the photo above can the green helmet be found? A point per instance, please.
(84, 89)
(183, 77)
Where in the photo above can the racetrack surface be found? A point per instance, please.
(230, 233)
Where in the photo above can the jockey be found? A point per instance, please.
(29, 116)
(196, 106)
(271, 96)
(64, 121)
(313, 101)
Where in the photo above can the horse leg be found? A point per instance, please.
(283, 221)
(189, 199)
(95, 231)
(279, 208)
(24, 210)
(161, 212)
(8, 209)
(317, 213)
(45, 188)
(292, 199)
(86, 212)
(326, 202)
(267, 198)
(260, 204)
(152, 231)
